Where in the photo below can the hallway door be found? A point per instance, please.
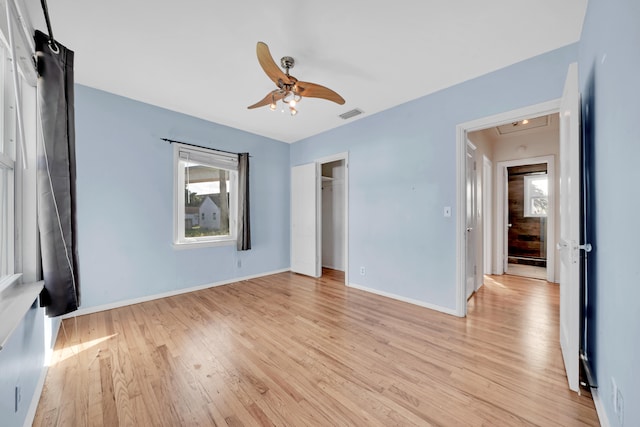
(570, 227)
(472, 219)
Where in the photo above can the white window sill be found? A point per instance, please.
(15, 301)
(203, 244)
(8, 281)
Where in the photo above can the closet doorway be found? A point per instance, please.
(333, 215)
(320, 217)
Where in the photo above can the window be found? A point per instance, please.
(7, 168)
(205, 182)
(536, 195)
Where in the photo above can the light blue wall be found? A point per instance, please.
(22, 364)
(609, 67)
(402, 173)
(125, 201)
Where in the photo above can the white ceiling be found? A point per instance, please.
(198, 56)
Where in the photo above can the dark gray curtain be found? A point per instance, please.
(56, 177)
(244, 223)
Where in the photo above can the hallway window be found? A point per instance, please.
(536, 195)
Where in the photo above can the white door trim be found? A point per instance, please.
(328, 159)
(461, 152)
(501, 209)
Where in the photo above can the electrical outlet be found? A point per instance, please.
(362, 271)
(447, 211)
(620, 407)
(239, 263)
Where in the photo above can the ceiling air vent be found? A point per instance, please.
(349, 114)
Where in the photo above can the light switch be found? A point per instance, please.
(447, 211)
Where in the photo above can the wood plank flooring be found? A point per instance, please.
(530, 271)
(288, 350)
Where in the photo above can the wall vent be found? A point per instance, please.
(349, 114)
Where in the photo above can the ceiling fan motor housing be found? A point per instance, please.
(287, 62)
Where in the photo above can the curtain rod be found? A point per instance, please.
(45, 10)
(171, 141)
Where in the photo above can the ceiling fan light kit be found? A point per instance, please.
(290, 90)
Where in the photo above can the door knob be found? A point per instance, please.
(586, 247)
(509, 225)
(469, 228)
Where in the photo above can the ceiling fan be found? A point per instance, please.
(290, 90)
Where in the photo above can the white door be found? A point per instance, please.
(507, 222)
(570, 226)
(471, 222)
(305, 226)
(487, 200)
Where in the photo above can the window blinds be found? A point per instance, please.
(213, 158)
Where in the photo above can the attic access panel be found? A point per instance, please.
(520, 126)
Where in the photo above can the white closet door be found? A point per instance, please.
(305, 224)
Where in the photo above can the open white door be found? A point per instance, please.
(305, 227)
(570, 226)
(471, 264)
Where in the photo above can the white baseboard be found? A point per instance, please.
(602, 415)
(118, 304)
(404, 299)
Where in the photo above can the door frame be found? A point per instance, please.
(502, 208)
(328, 159)
(462, 129)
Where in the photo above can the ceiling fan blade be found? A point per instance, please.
(312, 90)
(269, 65)
(271, 96)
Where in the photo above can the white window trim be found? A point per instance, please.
(212, 158)
(527, 195)
(8, 164)
(20, 287)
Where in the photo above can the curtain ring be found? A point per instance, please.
(53, 47)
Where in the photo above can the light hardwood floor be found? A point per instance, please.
(527, 271)
(288, 350)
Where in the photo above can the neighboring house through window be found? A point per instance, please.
(206, 189)
(536, 195)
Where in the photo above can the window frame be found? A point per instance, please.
(8, 157)
(527, 212)
(211, 158)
